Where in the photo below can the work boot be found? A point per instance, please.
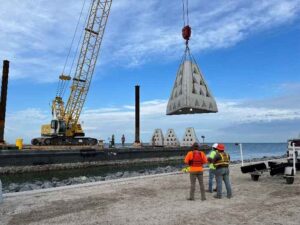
(216, 196)
(215, 190)
(190, 199)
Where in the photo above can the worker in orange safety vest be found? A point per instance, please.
(196, 159)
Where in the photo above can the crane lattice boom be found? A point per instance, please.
(93, 36)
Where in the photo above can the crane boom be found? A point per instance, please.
(64, 127)
(93, 36)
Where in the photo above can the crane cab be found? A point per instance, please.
(58, 127)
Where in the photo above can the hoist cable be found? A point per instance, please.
(62, 84)
(78, 45)
(187, 11)
(183, 13)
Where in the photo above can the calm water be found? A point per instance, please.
(256, 150)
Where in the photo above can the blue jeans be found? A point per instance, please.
(211, 176)
(223, 174)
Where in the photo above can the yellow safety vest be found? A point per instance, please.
(224, 161)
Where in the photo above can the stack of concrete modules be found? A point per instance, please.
(189, 137)
(157, 138)
(171, 139)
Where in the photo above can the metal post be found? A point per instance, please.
(294, 159)
(137, 114)
(241, 151)
(1, 196)
(3, 98)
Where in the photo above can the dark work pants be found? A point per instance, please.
(193, 177)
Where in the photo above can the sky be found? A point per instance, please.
(248, 51)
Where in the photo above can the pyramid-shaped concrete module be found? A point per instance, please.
(171, 139)
(157, 138)
(190, 92)
(189, 137)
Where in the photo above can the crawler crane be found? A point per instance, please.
(64, 128)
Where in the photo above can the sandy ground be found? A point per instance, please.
(158, 200)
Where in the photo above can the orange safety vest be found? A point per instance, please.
(224, 161)
(195, 159)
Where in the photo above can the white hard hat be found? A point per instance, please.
(215, 145)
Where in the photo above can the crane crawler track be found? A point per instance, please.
(71, 141)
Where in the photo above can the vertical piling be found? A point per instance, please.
(3, 98)
(137, 114)
(1, 195)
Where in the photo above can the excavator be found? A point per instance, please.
(65, 128)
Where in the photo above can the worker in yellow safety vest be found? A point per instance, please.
(221, 162)
(212, 168)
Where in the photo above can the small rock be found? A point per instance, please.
(119, 174)
(100, 178)
(126, 174)
(39, 183)
(13, 187)
(168, 169)
(25, 187)
(54, 179)
(83, 178)
(34, 186)
(60, 184)
(92, 179)
(47, 184)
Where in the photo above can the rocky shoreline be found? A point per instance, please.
(56, 182)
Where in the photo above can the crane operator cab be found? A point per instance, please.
(58, 127)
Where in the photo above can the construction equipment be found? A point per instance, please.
(293, 146)
(65, 128)
(287, 169)
(190, 93)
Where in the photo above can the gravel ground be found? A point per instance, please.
(158, 199)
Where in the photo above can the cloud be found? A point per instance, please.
(288, 98)
(35, 35)
(218, 24)
(233, 122)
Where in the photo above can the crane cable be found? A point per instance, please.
(78, 45)
(62, 83)
(185, 12)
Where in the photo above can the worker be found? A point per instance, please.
(113, 141)
(123, 140)
(212, 168)
(153, 140)
(221, 162)
(196, 159)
